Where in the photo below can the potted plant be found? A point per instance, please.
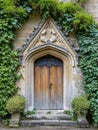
(80, 107)
(14, 106)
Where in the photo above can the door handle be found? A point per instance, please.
(50, 85)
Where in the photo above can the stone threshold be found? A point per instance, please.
(30, 123)
(50, 116)
(48, 110)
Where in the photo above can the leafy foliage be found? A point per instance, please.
(68, 8)
(80, 105)
(48, 7)
(88, 42)
(15, 104)
(12, 14)
(82, 21)
(24, 114)
(72, 18)
(8, 77)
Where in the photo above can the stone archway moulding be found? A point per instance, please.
(67, 76)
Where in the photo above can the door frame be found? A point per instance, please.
(67, 76)
(47, 103)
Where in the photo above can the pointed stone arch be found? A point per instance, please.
(67, 75)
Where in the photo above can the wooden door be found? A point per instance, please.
(48, 83)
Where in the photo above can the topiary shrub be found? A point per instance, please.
(15, 104)
(80, 105)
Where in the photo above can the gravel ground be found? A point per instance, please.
(48, 128)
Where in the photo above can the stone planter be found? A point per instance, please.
(82, 122)
(14, 121)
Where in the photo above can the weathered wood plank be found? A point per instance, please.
(52, 87)
(48, 86)
(44, 84)
(37, 87)
(59, 92)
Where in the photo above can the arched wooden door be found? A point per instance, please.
(48, 83)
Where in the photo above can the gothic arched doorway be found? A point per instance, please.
(48, 83)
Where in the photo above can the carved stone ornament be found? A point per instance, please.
(47, 33)
(48, 61)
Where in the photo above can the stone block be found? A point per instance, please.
(52, 123)
(68, 123)
(49, 116)
(82, 122)
(14, 123)
(29, 123)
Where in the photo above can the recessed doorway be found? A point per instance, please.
(48, 83)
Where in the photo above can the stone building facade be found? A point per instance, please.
(92, 7)
(35, 41)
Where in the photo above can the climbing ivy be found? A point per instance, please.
(88, 42)
(73, 20)
(8, 77)
(12, 15)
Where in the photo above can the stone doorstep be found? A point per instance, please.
(49, 116)
(52, 111)
(29, 123)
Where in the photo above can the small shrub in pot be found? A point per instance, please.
(14, 106)
(80, 105)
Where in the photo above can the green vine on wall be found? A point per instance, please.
(73, 20)
(12, 15)
(88, 42)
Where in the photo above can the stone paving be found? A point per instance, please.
(48, 128)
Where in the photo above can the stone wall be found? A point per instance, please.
(21, 36)
(26, 29)
(92, 7)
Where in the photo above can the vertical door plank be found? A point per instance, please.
(52, 87)
(37, 87)
(48, 86)
(59, 81)
(44, 87)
